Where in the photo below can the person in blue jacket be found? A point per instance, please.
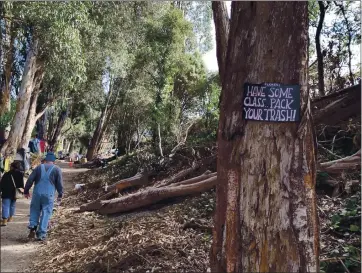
(47, 178)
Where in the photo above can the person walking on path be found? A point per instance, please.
(11, 181)
(47, 178)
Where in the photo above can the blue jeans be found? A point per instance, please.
(41, 206)
(8, 208)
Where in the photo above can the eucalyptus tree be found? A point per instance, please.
(53, 43)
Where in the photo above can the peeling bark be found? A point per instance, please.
(266, 216)
(22, 107)
(32, 115)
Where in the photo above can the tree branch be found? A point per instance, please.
(222, 26)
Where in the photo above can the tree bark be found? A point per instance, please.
(10, 35)
(154, 195)
(22, 107)
(32, 115)
(42, 125)
(221, 19)
(322, 12)
(60, 123)
(266, 216)
(96, 139)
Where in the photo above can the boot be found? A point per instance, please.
(4, 222)
(32, 233)
(10, 219)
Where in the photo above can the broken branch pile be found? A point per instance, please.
(169, 189)
(150, 196)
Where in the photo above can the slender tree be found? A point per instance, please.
(322, 13)
(266, 213)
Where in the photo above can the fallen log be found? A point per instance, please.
(92, 206)
(337, 107)
(339, 165)
(139, 179)
(154, 195)
(186, 172)
(196, 179)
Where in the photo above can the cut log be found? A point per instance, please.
(196, 179)
(137, 180)
(343, 164)
(186, 172)
(92, 206)
(154, 195)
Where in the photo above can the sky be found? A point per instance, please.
(210, 59)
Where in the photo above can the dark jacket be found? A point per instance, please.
(7, 186)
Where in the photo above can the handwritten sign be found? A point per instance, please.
(271, 102)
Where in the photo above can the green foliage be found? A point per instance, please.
(6, 119)
(147, 53)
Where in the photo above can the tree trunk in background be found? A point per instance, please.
(23, 103)
(70, 148)
(60, 123)
(107, 119)
(349, 41)
(96, 139)
(42, 125)
(266, 214)
(8, 64)
(322, 12)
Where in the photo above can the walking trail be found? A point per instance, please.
(16, 250)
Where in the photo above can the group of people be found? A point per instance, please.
(46, 178)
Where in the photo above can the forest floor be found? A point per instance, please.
(17, 252)
(154, 239)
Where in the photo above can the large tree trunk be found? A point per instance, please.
(32, 115)
(8, 64)
(322, 12)
(22, 107)
(266, 216)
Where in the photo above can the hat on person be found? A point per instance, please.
(16, 165)
(50, 157)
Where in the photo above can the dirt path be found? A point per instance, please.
(16, 251)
